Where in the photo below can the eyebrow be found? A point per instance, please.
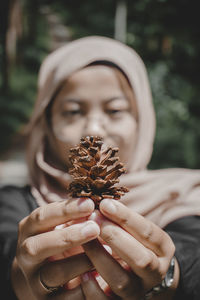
(71, 100)
(121, 97)
(117, 98)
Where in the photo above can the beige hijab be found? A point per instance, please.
(161, 195)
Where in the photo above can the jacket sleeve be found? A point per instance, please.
(15, 204)
(185, 233)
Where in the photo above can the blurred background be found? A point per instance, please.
(166, 34)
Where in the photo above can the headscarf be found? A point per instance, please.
(160, 195)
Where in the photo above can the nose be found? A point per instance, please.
(94, 126)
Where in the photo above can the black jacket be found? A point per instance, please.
(18, 202)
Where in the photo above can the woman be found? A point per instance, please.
(144, 246)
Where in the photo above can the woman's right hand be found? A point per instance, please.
(38, 241)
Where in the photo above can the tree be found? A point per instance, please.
(11, 29)
(166, 35)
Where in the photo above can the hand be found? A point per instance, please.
(37, 241)
(119, 282)
(145, 248)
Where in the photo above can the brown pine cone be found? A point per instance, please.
(95, 171)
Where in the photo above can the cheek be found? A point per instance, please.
(125, 135)
(62, 152)
(129, 141)
(130, 132)
(125, 129)
(67, 137)
(69, 133)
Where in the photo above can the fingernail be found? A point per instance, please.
(86, 205)
(108, 206)
(91, 229)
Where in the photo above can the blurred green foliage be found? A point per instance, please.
(16, 102)
(166, 35)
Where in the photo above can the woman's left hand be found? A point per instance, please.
(145, 248)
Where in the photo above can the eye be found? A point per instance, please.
(113, 111)
(71, 113)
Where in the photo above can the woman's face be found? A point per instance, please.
(93, 102)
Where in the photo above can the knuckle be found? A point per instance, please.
(146, 262)
(124, 221)
(65, 208)
(67, 241)
(38, 215)
(29, 248)
(148, 233)
(109, 238)
(109, 234)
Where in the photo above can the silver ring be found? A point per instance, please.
(48, 289)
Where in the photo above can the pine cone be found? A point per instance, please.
(95, 171)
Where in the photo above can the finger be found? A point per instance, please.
(91, 289)
(149, 234)
(37, 248)
(121, 282)
(57, 273)
(142, 260)
(155, 267)
(46, 217)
